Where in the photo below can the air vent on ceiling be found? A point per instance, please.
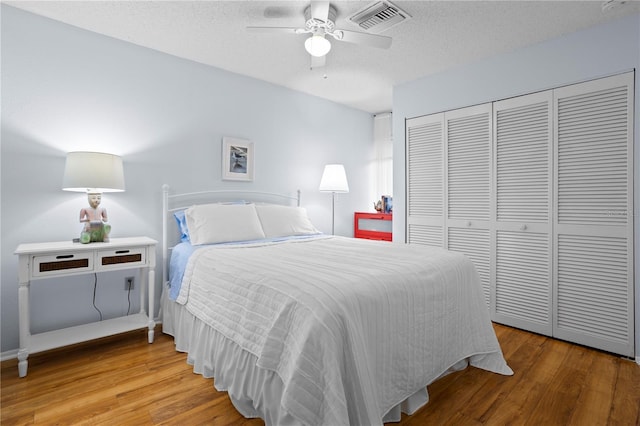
(607, 5)
(379, 16)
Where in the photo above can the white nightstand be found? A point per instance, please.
(59, 259)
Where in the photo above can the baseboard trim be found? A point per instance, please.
(7, 355)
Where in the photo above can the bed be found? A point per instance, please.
(305, 328)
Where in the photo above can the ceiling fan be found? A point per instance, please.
(320, 19)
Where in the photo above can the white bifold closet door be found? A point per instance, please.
(593, 220)
(425, 180)
(449, 184)
(468, 196)
(523, 260)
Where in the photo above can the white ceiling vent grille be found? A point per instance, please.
(379, 17)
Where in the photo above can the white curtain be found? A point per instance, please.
(383, 141)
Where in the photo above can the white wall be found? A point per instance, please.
(66, 89)
(603, 50)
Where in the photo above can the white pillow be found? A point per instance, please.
(284, 221)
(221, 223)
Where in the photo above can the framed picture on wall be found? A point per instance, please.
(237, 159)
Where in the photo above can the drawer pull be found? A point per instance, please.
(65, 256)
(122, 251)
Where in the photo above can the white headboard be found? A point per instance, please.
(180, 201)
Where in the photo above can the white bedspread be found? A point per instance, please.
(352, 327)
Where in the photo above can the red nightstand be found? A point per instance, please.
(373, 226)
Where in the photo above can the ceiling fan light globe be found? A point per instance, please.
(317, 45)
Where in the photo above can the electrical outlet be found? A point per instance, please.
(129, 283)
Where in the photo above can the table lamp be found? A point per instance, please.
(93, 173)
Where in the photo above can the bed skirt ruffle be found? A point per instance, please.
(254, 391)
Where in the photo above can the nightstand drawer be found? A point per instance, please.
(122, 257)
(62, 264)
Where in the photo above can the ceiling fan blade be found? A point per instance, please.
(281, 30)
(372, 40)
(320, 10)
(318, 61)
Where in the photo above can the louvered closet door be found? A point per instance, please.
(593, 295)
(425, 180)
(468, 207)
(523, 239)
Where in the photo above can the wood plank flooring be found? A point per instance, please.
(125, 381)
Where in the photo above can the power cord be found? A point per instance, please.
(95, 287)
(129, 300)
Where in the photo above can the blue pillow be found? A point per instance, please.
(182, 225)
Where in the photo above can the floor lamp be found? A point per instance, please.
(334, 179)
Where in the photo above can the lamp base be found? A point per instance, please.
(95, 232)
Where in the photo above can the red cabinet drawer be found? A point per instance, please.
(373, 226)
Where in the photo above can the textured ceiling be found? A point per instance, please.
(440, 35)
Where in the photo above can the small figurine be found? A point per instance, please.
(378, 206)
(94, 218)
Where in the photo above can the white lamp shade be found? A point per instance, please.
(334, 179)
(317, 45)
(93, 172)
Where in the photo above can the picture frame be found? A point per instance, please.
(237, 159)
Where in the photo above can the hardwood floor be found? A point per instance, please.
(125, 381)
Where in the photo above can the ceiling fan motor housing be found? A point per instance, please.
(313, 23)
